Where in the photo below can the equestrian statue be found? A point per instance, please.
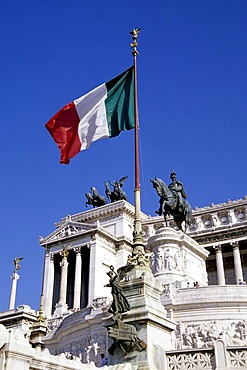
(173, 201)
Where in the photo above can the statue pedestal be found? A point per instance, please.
(177, 259)
(148, 316)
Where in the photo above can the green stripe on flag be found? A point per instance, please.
(120, 103)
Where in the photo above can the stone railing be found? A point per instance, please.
(199, 360)
(216, 357)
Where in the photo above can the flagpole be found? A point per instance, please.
(138, 241)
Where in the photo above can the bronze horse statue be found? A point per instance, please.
(94, 198)
(169, 205)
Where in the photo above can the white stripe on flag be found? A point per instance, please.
(91, 110)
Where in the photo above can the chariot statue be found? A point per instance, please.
(117, 193)
(173, 201)
(94, 198)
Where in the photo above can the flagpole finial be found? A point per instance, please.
(134, 33)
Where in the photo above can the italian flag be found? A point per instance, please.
(103, 112)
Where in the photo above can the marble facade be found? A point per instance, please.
(190, 309)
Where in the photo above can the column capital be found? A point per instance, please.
(218, 248)
(77, 250)
(15, 276)
(235, 245)
(64, 254)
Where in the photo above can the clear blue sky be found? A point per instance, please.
(192, 84)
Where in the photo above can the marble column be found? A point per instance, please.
(14, 278)
(46, 278)
(220, 265)
(77, 285)
(237, 262)
(50, 287)
(64, 276)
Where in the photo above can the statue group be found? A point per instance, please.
(173, 198)
(113, 195)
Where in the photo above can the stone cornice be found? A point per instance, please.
(224, 235)
(214, 223)
(216, 207)
(94, 230)
(120, 206)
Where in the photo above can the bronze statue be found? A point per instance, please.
(119, 302)
(177, 188)
(94, 198)
(117, 193)
(173, 201)
(16, 263)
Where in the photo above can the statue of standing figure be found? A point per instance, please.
(119, 302)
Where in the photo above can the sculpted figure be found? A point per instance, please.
(94, 198)
(178, 261)
(16, 263)
(119, 303)
(177, 188)
(117, 193)
(159, 262)
(168, 260)
(173, 201)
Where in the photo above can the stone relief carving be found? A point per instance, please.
(240, 214)
(205, 334)
(86, 350)
(215, 219)
(100, 302)
(53, 324)
(66, 232)
(168, 259)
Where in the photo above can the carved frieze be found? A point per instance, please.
(204, 335)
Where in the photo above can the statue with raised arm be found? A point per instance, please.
(119, 301)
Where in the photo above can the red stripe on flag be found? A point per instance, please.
(63, 127)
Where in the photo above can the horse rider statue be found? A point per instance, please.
(177, 188)
(173, 201)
